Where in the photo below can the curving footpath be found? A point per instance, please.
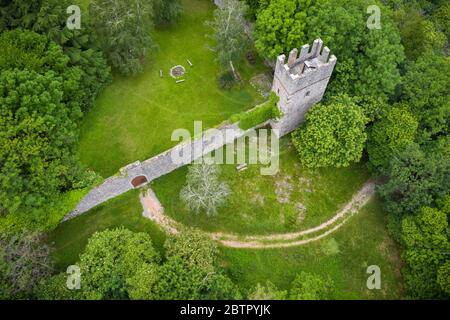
(154, 210)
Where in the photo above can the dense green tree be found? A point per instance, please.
(78, 45)
(419, 35)
(48, 17)
(217, 286)
(441, 19)
(195, 248)
(24, 261)
(390, 134)
(309, 286)
(40, 104)
(426, 239)
(280, 27)
(36, 140)
(415, 179)
(332, 135)
(368, 59)
(55, 288)
(143, 284)
(167, 11)
(426, 89)
(18, 13)
(23, 49)
(120, 264)
(443, 277)
(110, 258)
(178, 282)
(253, 7)
(123, 29)
(229, 31)
(267, 292)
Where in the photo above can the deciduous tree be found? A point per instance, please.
(390, 134)
(123, 29)
(280, 27)
(203, 190)
(229, 31)
(332, 135)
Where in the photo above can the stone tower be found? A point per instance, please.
(300, 83)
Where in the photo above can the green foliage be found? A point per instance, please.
(177, 282)
(443, 277)
(78, 45)
(267, 292)
(123, 29)
(426, 90)
(258, 115)
(441, 19)
(426, 239)
(226, 80)
(253, 7)
(48, 17)
(36, 140)
(333, 135)
(18, 14)
(308, 286)
(28, 50)
(24, 262)
(390, 134)
(120, 264)
(416, 179)
(142, 285)
(367, 59)
(47, 217)
(167, 11)
(229, 31)
(419, 36)
(55, 288)
(202, 255)
(110, 258)
(281, 26)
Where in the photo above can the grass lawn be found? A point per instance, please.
(70, 238)
(343, 256)
(134, 117)
(265, 204)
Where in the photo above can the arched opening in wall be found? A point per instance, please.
(139, 181)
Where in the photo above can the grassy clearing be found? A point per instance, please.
(266, 204)
(343, 256)
(70, 238)
(134, 117)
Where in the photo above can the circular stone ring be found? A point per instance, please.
(177, 71)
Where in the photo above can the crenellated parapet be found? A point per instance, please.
(301, 82)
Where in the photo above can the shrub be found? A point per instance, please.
(226, 80)
(259, 114)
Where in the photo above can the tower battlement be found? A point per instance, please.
(301, 82)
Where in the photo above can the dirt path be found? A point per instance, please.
(154, 210)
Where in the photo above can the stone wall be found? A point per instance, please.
(157, 166)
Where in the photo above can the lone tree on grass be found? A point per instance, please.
(229, 31)
(203, 190)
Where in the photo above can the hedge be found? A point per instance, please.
(263, 112)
